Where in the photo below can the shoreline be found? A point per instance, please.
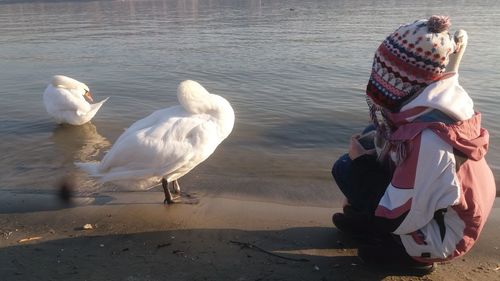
(135, 237)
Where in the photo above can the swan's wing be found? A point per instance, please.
(76, 119)
(202, 141)
(137, 158)
(159, 150)
(62, 100)
(150, 121)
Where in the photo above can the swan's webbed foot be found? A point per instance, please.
(177, 196)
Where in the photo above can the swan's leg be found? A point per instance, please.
(168, 195)
(177, 187)
(170, 199)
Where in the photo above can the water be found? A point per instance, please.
(294, 71)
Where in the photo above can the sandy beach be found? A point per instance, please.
(134, 236)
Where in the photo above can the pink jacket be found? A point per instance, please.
(444, 168)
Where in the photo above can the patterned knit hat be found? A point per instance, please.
(408, 60)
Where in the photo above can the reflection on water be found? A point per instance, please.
(44, 157)
(294, 71)
(79, 143)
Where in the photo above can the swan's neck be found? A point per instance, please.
(462, 39)
(224, 114)
(455, 60)
(61, 81)
(202, 102)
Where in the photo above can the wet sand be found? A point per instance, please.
(135, 237)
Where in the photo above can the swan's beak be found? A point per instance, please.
(88, 96)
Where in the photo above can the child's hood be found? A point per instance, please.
(466, 136)
(447, 96)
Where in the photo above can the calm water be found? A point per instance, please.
(295, 72)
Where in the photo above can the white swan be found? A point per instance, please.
(167, 144)
(66, 101)
(461, 39)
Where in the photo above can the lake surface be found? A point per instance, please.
(294, 71)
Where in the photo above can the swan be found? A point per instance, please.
(167, 144)
(461, 39)
(67, 101)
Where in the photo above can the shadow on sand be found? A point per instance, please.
(191, 254)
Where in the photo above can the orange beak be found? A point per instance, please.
(88, 96)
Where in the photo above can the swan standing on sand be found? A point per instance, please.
(168, 143)
(67, 100)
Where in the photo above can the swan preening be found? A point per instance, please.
(167, 144)
(67, 101)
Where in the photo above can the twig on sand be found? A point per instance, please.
(252, 246)
(29, 239)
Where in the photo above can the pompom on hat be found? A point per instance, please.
(408, 60)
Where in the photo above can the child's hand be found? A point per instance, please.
(356, 149)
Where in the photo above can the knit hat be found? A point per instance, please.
(411, 58)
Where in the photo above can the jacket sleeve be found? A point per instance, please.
(425, 182)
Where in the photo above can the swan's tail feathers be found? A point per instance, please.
(91, 168)
(95, 106)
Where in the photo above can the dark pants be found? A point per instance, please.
(341, 172)
(363, 181)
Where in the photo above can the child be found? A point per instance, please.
(427, 194)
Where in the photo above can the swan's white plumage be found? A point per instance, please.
(65, 102)
(461, 39)
(169, 142)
